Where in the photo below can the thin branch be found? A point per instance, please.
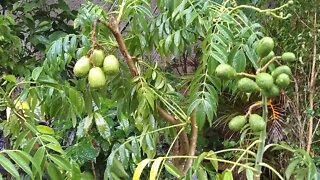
(193, 141)
(266, 65)
(259, 103)
(246, 75)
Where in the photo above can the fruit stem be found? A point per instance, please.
(262, 138)
(246, 75)
(266, 65)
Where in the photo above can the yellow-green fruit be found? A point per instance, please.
(247, 85)
(281, 69)
(283, 81)
(264, 81)
(288, 57)
(98, 57)
(225, 71)
(82, 67)
(265, 46)
(111, 65)
(256, 123)
(266, 59)
(237, 123)
(96, 78)
(272, 92)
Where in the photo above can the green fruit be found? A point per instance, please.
(111, 65)
(265, 46)
(98, 57)
(264, 81)
(272, 92)
(82, 67)
(266, 59)
(288, 57)
(237, 123)
(225, 71)
(281, 69)
(96, 78)
(256, 123)
(247, 85)
(283, 81)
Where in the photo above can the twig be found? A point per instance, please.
(193, 141)
(246, 75)
(259, 103)
(93, 170)
(266, 65)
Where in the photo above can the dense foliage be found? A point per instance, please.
(138, 89)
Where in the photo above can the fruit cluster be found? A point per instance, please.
(268, 84)
(96, 68)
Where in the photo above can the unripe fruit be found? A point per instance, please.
(265, 46)
(247, 85)
(237, 123)
(272, 92)
(256, 123)
(288, 57)
(283, 80)
(266, 59)
(98, 57)
(281, 69)
(111, 65)
(82, 67)
(264, 81)
(225, 71)
(96, 78)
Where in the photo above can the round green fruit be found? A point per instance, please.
(272, 92)
(265, 46)
(247, 85)
(98, 57)
(288, 57)
(225, 71)
(237, 123)
(266, 59)
(82, 67)
(256, 123)
(283, 81)
(111, 65)
(264, 81)
(96, 78)
(281, 69)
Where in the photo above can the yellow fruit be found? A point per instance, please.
(111, 65)
(96, 78)
(264, 81)
(225, 71)
(82, 67)
(98, 57)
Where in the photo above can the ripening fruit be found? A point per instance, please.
(225, 71)
(98, 57)
(264, 81)
(247, 85)
(265, 46)
(111, 65)
(256, 123)
(82, 67)
(281, 69)
(237, 123)
(96, 78)
(288, 57)
(272, 92)
(283, 81)
(266, 59)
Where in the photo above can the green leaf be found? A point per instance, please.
(214, 163)
(167, 43)
(54, 172)
(76, 99)
(36, 73)
(202, 174)
(38, 158)
(102, 126)
(174, 171)
(60, 161)
(23, 164)
(10, 78)
(199, 160)
(20, 138)
(291, 167)
(87, 123)
(9, 167)
(55, 147)
(45, 129)
(227, 175)
(239, 61)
